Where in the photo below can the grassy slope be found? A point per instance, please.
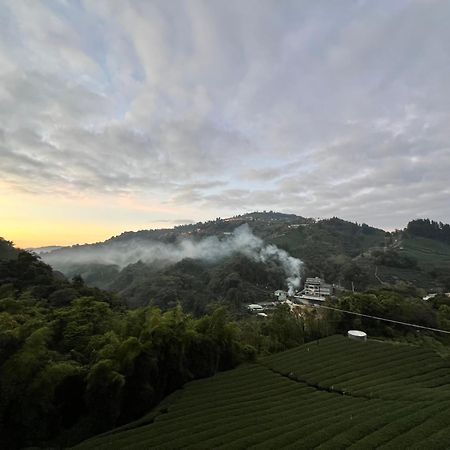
(322, 241)
(341, 243)
(332, 394)
(428, 252)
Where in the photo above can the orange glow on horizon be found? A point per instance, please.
(31, 220)
(49, 234)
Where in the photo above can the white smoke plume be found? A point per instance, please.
(123, 253)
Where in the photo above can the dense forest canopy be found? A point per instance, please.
(75, 362)
(429, 229)
(7, 250)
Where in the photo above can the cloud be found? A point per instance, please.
(309, 107)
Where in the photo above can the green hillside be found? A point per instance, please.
(7, 250)
(330, 394)
(349, 254)
(430, 268)
(428, 252)
(326, 247)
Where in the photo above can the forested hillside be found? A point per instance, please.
(195, 285)
(148, 276)
(429, 229)
(348, 254)
(76, 362)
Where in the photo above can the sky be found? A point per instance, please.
(127, 115)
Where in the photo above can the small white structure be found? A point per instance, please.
(255, 308)
(429, 296)
(357, 335)
(281, 295)
(309, 299)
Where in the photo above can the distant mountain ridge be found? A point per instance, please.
(42, 250)
(350, 254)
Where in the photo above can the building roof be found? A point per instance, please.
(314, 280)
(357, 333)
(319, 298)
(254, 306)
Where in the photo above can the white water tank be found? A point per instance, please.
(357, 335)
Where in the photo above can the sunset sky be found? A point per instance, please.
(127, 115)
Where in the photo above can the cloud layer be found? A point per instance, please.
(313, 107)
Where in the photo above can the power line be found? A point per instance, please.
(383, 319)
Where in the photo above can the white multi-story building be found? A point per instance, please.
(315, 291)
(317, 286)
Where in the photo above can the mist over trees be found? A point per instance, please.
(355, 256)
(238, 267)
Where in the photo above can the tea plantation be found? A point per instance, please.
(330, 394)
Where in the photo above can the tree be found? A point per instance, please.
(355, 276)
(103, 394)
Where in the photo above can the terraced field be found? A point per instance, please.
(331, 394)
(428, 252)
